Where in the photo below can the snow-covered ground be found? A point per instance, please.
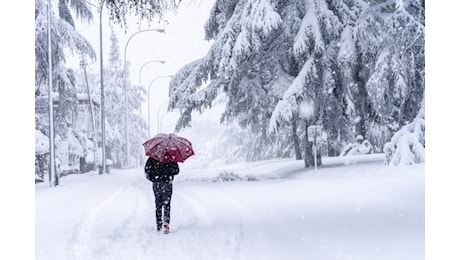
(273, 209)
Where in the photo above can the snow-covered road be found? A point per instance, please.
(359, 211)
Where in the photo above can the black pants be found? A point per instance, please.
(163, 192)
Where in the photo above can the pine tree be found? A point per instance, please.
(63, 37)
(114, 103)
(319, 33)
(390, 39)
(407, 146)
(271, 58)
(119, 10)
(244, 63)
(115, 108)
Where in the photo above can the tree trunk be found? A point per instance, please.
(364, 108)
(308, 158)
(298, 151)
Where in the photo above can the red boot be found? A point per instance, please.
(166, 227)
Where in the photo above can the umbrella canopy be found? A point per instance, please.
(168, 148)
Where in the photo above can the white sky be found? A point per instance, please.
(357, 211)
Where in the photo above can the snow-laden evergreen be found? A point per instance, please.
(407, 146)
(64, 37)
(390, 36)
(360, 63)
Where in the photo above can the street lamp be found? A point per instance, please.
(158, 115)
(148, 62)
(162, 117)
(140, 84)
(148, 99)
(140, 74)
(126, 89)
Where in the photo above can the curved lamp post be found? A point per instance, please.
(126, 88)
(140, 76)
(148, 99)
(162, 117)
(140, 84)
(148, 62)
(158, 115)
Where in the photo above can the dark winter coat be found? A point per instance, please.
(156, 171)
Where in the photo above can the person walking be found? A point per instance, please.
(161, 175)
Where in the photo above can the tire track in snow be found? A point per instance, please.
(234, 215)
(82, 234)
(116, 226)
(249, 239)
(132, 232)
(192, 211)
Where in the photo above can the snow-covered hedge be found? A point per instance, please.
(407, 146)
(360, 146)
(41, 143)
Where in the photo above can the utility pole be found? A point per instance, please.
(104, 166)
(52, 170)
(93, 122)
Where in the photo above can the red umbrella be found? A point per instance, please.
(168, 148)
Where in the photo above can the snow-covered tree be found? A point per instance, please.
(115, 108)
(120, 10)
(320, 39)
(247, 61)
(63, 37)
(358, 63)
(390, 39)
(407, 146)
(114, 103)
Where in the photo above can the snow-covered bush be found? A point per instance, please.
(41, 143)
(227, 176)
(360, 146)
(407, 146)
(41, 155)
